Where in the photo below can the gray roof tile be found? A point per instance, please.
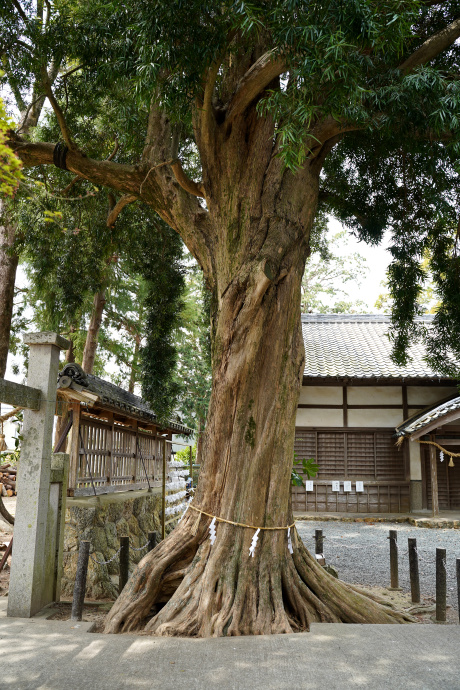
(357, 346)
(430, 414)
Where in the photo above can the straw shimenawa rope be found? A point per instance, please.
(237, 524)
(447, 452)
(9, 414)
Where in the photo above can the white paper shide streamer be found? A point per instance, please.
(252, 548)
(291, 550)
(212, 531)
(441, 456)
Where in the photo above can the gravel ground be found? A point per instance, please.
(361, 553)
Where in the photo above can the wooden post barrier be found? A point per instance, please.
(458, 587)
(124, 563)
(319, 542)
(413, 571)
(394, 574)
(80, 582)
(441, 588)
(153, 540)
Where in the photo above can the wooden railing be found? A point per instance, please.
(115, 457)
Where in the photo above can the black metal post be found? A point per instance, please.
(394, 573)
(413, 570)
(319, 541)
(458, 587)
(124, 563)
(153, 540)
(80, 582)
(441, 588)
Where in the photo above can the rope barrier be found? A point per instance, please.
(133, 548)
(104, 562)
(238, 524)
(140, 548)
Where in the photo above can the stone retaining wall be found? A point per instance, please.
(102, 521)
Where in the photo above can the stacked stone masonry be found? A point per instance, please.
(104, 519)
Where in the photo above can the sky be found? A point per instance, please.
(377, 259)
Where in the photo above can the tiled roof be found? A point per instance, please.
(73, 376)
(430, 414)
(357, 346)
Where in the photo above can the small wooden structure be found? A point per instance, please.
(116, 442)
(352, 398)
(437, 424)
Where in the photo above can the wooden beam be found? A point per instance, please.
(74, 450)
(19, 396)
(434, 480)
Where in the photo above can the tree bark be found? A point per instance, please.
(134, 364)
(89, 353)
(8, 267)
(64, 417)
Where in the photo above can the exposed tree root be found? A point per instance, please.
(220, 590)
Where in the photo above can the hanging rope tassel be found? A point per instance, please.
(451, 462)
(252, 548)
(212, 531)
(291, 550)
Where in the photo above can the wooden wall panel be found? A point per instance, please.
(448, 480)
(368, 456)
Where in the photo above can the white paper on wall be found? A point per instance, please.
(359, 486)
(347, 486)
(308, 485)
(335, 486)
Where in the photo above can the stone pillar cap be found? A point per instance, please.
(46, 338)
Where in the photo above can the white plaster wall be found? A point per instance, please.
(379, 418)
(321, 395)
(415, 460)
(312, 417)
(374, 395)
(424, 395)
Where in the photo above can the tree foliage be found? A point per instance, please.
(10, 165)
(328, 270)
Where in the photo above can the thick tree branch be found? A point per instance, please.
(185, 181)
(256, 79)
(432, 47)
(119, 206)
(58, 112)
(124, 178)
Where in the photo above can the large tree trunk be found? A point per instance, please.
(89, 353)
(258, 357)
(8, 267)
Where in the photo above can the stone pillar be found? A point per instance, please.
(32, 578)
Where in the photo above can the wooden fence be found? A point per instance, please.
(111, 456)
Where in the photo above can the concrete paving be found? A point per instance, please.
(36, 654)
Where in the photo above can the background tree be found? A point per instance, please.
(328, 270)
(244, 111)
(193, 344)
